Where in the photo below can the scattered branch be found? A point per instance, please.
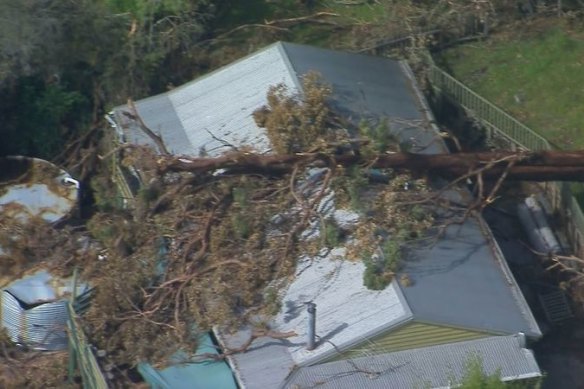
(256, 334)
(314, 18)
(157, 139)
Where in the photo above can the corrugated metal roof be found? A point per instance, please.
(34, 310)
(185, 372)
(347, 314)
(193, 117)
(40, 328)
(428, 367)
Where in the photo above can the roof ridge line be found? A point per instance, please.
(292, 71)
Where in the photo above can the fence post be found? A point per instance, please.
(72, 351)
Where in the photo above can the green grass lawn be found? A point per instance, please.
(536, 73)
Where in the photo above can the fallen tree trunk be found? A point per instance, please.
(524, 165)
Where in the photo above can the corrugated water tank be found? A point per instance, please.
(535, 223)
(33, 309)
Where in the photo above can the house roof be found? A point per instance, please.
(347, 314)
(427, 367)
(461, 280)
(213, 112)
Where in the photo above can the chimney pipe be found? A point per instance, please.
(311, 333)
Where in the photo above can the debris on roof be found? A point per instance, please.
(214, 113)
(460, 280)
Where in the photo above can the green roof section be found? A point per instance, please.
(190, 372)
(410, 336)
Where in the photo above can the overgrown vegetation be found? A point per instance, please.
(36, 370)
(475, 377)
(297, 122)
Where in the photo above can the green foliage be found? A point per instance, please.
(241, 217)
(331, 234)
(393, 224)
(475, 377)
(272, 301)
(380, 268)
(104, 194)
(149, 193)
(355, 184)
(350, 186)
(241, 225)
(38, 117)
(296, 123)
(144, 8)
(380, 135)
(62, 61)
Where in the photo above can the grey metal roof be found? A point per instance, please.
(463, 280)
(266, 364)
(347, 314)
(215, 111)
(428, 367)
(370, 88)
(459, 281)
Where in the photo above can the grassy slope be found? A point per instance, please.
(533, 71)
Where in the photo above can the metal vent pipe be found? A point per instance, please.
(311, 333)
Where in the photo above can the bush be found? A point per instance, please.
(380, 269)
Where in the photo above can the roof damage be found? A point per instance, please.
(459, 280)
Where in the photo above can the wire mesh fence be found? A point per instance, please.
(81, 356)
(504, 125)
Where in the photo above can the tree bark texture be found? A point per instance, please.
(524, 165)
